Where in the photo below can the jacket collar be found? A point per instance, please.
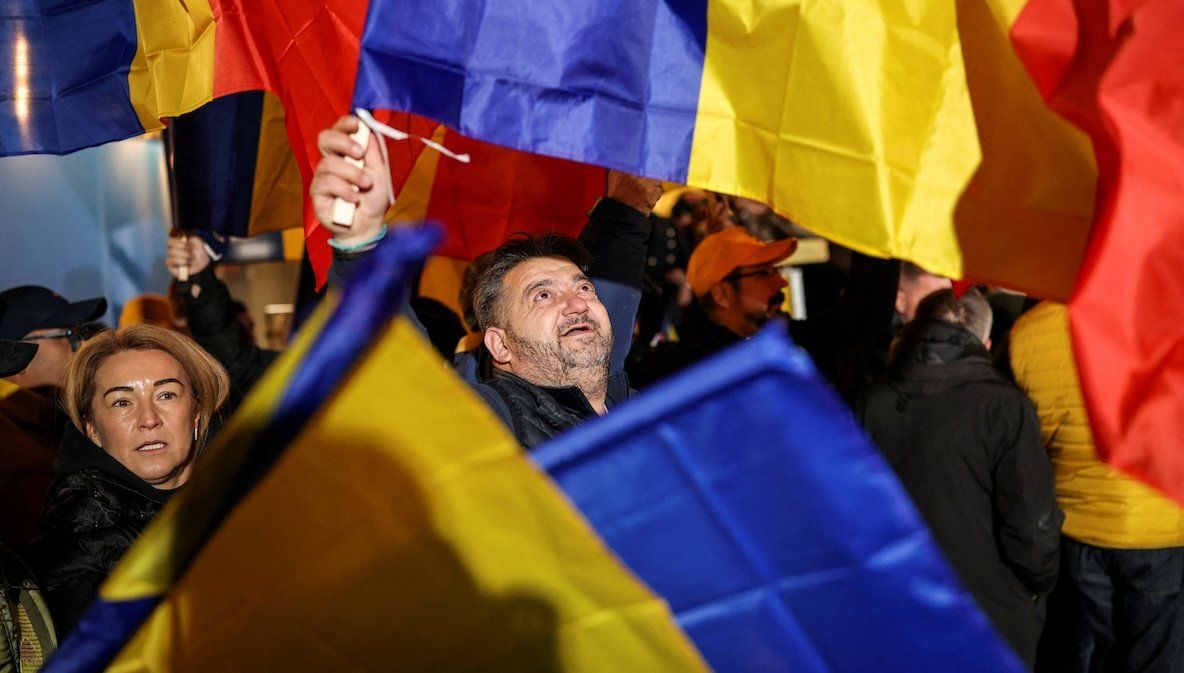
(78, 453)
(571, 398)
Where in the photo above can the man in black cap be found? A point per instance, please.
(15, 356)
(39, 331)
(39, 315)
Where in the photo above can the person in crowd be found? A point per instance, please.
(966, 445)
(1122, 543)
(546, 325)
(213, 316)
(915, 284)
(739, 288)
(471, 360)
(151, 309)
(41, 330)
(615, 234)
(142, 399)
(42, 316)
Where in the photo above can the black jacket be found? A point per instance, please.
(839, 340)
(967, 446)
(698, 338)
(535, 413)
(96, 508)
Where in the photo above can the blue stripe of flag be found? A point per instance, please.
(743, 493)
(63, 75)
(609, 83)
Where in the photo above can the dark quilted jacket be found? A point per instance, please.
(95, 509)
(537, 414)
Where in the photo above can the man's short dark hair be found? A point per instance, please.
(488, 304)
(972, 312)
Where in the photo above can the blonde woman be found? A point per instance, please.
(141, 399)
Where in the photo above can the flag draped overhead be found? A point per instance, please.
(1116, 69)
(865, 122)
(84, 73)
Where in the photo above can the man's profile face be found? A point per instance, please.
(759, 294)
(48, 367)
(554, 319)
(911, 291)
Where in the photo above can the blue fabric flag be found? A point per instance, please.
(743, 492)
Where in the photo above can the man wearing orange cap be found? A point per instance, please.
(739, 288)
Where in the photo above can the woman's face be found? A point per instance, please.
(143, 415)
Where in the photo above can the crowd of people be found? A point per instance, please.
(1078, 567)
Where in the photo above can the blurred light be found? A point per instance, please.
(20, 94)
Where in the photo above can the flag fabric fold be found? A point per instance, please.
(866, 124)
(1114, 69)
(743, 492)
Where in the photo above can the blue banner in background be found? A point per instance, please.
(743, 492)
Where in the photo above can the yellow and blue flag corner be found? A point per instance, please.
(743, 492)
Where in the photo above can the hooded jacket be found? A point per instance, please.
(966, 445)
(95, 510)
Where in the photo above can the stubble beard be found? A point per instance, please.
(551, 364)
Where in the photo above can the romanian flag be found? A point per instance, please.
(82, 73)
(899, 129)
(231, 167)
(1034, 145)
(347, 519)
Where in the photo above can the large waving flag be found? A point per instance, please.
(865, 122)
(921, 130)
(745, 494)
(348, 519)
(1115, 69)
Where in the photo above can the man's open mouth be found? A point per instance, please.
(576, 330)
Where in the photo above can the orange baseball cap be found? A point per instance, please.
(723, 252)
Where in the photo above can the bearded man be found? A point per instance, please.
(548, 336)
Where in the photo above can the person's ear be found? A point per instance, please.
(987, 343)
(901, 301)
(93, 435)
(495, 343)
(722, 293)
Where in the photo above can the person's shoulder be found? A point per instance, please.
(493, 399)
(89, 499)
